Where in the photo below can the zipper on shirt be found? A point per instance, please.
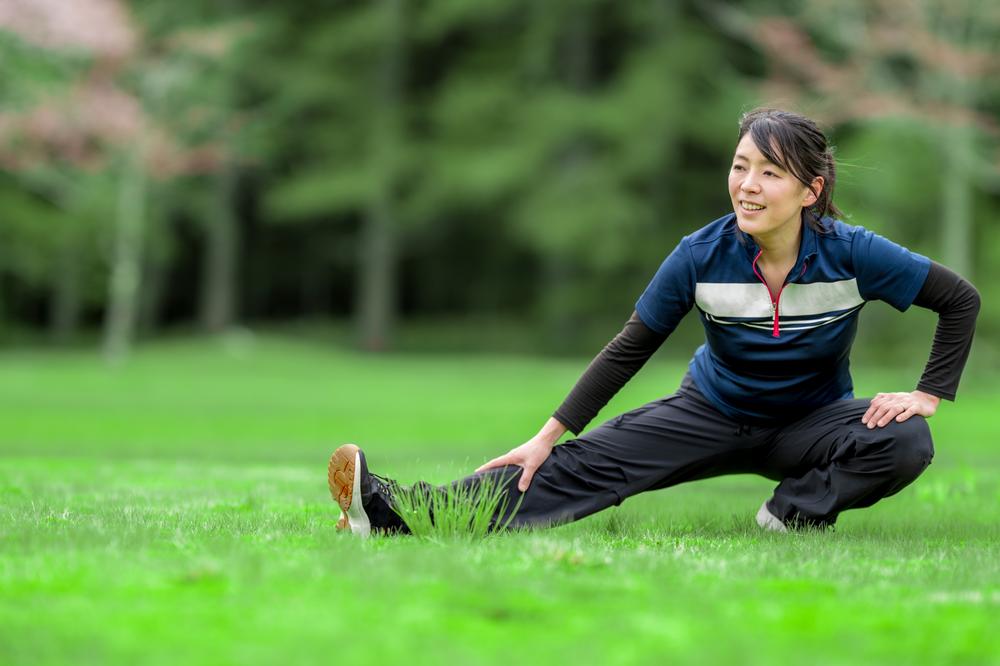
(775, 300)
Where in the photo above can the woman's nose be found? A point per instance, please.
(749, 184)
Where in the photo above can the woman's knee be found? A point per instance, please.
(913, 448)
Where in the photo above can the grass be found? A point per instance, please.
(456, 511)
(175, 511)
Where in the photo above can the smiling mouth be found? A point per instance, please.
(752, 207)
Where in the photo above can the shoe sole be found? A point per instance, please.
(345, 488)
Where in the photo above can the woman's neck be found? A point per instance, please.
(780, 246)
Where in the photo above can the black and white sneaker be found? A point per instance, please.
(768, 520)
(364, 498)
(796, 523)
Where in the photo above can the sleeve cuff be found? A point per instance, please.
(571, 425)
(944, 395)
(916, 284)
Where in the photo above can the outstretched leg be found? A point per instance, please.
(675, 439)
(678, 438)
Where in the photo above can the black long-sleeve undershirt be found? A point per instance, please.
(608, 372)
(954, 299)
(957, 303)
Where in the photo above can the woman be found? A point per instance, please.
(778, 284)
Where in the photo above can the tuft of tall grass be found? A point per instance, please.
(458, 511)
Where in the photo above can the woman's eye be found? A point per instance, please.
(737, 167)
(770, 173)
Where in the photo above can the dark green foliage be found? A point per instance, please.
(401, 160)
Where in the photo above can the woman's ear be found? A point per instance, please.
(814, 190)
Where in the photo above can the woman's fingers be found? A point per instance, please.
(885, 407)
(872, 408)
(510, 459)
(526, 477)
(496, 462)
(529, 457)
(876, 413)
(889, 414)
(907, 413)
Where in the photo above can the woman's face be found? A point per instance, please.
(766, 198)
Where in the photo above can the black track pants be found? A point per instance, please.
(826, 462)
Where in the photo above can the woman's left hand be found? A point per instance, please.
(899, 406)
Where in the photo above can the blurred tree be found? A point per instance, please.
(446, 157)
(184, 79)
(377, 300)
(44, 134)
(347, 95)
(206, 55)
(934, 61)
(567, 123)
(99, 125)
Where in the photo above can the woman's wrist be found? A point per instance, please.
(935, 400)
(551, 431)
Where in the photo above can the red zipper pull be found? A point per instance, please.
(775, 332)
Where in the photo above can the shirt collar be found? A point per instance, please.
(807, 244)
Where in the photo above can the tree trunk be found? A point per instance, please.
(316, 286)
(154, 278)
(377, 299)
(666, 26)
(3, 301)
(957, 212)
(219, 270)
(66, 303)
(123, 287)
(562, 314)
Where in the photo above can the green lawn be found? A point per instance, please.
(175, 511)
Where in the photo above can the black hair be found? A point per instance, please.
(795, 143)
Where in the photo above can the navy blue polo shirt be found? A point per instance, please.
(774, 357)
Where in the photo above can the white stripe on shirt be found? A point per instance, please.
(722, 299)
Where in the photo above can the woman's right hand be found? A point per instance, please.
(531, 454)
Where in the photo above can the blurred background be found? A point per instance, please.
(458, 175)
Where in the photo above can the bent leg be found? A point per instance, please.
(830, 461)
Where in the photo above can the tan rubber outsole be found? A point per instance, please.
(340, 476)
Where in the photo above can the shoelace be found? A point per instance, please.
(383, 485)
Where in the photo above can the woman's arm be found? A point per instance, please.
(669, 296)
(957, 303)
(530, 455)
(608, 372)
